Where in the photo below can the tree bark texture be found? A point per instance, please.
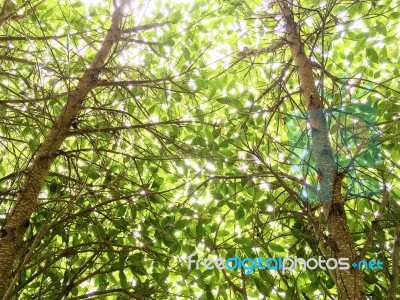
(349, 282)
(13, 229)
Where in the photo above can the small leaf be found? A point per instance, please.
(231, 102)
(122, 278)
(372, 55)
(199, 229)
(54, 187)
(261, 287)
(239, 214)
(276, 247)
(94, 175)
(366, 108)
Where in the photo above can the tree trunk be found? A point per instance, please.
(13, 229)
(349, 282)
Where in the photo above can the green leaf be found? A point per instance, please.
(261, 286)
(372, 55)
(199, 229)
(230, 102)
(366, 108)
(122, 279)
(239, 214)
(276, 247)
(176, 17)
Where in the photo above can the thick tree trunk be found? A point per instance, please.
(349, 282)
(13, 229)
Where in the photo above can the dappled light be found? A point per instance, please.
(195, 149)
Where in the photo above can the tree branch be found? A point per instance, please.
(13, 229)
(374, 225)
(270, 49)
(119, 128)
(143, 27)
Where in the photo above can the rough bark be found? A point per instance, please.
(348, 282)
(5, 13)
(394, 278)
(13, 229)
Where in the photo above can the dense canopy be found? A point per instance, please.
(134, 134)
